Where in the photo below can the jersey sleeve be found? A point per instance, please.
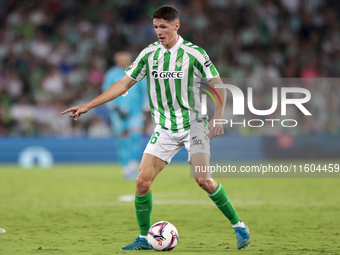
(137, 69)
(206, 68)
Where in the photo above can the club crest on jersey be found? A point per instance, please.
(167, 74)
(155, 62)
(179, 63)
(206, 57)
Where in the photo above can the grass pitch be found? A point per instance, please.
(88, 209)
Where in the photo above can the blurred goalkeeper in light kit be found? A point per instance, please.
(126, 114)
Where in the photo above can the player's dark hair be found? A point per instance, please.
(166, 12)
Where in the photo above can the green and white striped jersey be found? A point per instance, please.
(173, 94)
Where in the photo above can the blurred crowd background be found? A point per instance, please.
(54, 54)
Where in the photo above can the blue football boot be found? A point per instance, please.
(242, 237)
(138, 244)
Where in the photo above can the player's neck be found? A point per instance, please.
(172, 44)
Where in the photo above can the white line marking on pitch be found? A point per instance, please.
(131, 198)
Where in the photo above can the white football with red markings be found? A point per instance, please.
(163, 236)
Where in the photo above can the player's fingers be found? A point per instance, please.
(76, 115)
(211, 129)
(72, 109)
(211, 133)
(73, 114)
(66, 111)
(220, 131)
(216, 131)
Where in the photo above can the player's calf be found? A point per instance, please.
(207, 184)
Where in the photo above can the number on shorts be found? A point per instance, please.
(154, 138)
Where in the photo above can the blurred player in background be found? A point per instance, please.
(126, 114)
(170, 65)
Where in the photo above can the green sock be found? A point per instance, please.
(221, 199)
(143, 206)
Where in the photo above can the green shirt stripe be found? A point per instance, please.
(213, 70)
(139, 67)
(199, 66)
(158, 92)
(166, 65)
(178, 84)
(191, 94)
(152, 108)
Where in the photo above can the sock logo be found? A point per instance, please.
(142, 210)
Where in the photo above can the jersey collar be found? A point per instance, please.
(175, 47)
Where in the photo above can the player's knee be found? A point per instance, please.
(206, 184)
(143, 185)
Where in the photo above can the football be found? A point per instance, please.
(163, 236)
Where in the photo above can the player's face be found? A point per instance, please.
(166, 32)
(122, 59)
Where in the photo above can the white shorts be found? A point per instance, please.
(164, 144)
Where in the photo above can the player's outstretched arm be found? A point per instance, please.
(218, 129)
(115, 90)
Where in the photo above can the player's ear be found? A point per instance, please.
(177, 25)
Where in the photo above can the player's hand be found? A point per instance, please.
(217, 130)
(76, 111)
